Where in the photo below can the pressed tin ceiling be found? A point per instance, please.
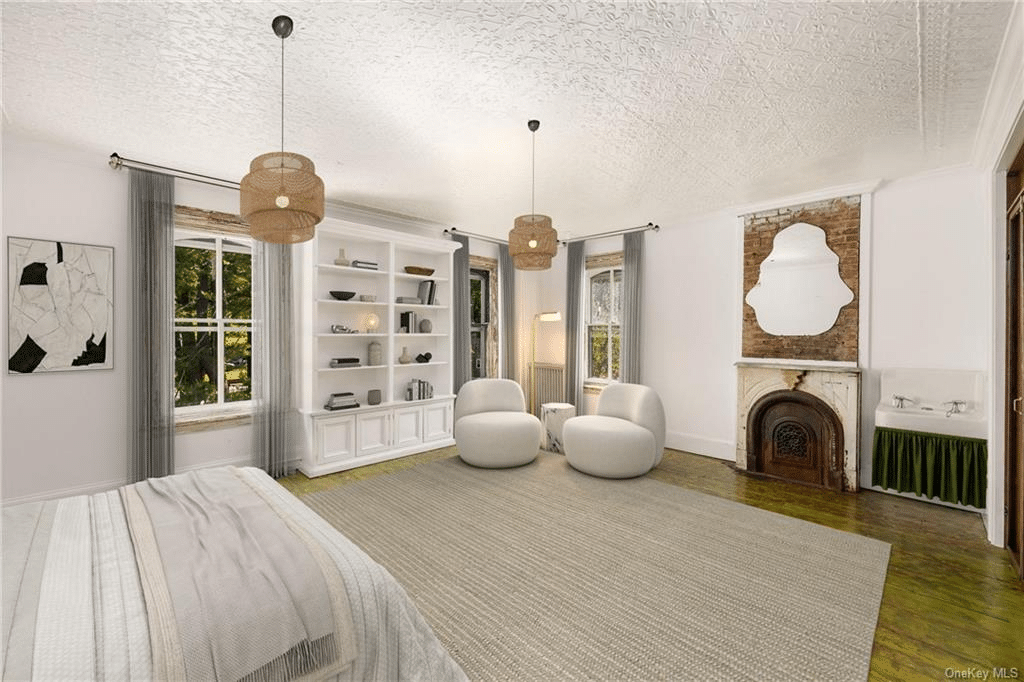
(649, 111)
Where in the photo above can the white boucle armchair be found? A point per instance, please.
(492, 427)
(626, 437)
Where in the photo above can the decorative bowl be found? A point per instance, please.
(343, 295)
(417, 270)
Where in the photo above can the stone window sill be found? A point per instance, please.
(207, 421)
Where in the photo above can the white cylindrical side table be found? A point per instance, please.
(553, 416)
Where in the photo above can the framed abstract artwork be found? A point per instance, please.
(60, 310)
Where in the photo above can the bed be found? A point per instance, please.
(213, 574)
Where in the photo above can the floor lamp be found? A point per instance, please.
(539, 317)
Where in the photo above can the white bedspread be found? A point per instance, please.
(74, 606)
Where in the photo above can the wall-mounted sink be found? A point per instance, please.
(948, 402)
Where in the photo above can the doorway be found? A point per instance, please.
(1014, 500)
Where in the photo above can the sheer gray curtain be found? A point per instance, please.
(272, 314)
(632, 302)
(507, 319)
(461, 361)
(151, 353)
(574, 356)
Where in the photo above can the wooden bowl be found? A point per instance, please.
(417, 270)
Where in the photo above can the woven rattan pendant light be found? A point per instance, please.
(532, 242)
(282, 198)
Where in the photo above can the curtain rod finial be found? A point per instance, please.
(115, 161)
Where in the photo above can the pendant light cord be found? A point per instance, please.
(282, 105)
(533, 175)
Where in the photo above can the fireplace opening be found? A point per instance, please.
(795, 436)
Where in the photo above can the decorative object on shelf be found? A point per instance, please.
(342, 329)
(426, 291)
(343, 295)
(554, 316)
(364, 264)
(423, 358)
(341, 260)
(408, 320)
(341, 401)
(373, 396)
(532, 242)
(426, 326)
(372, 322)
(409, 300)
(282, 198)
(368, 298)
(337, 363)
(417, 270)
(405, 358)
(375, 354)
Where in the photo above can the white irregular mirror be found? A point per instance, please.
(799, 291)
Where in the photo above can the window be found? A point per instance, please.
(212, 320)
(604, 313)
(479, 317)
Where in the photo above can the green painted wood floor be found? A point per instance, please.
(952, 608)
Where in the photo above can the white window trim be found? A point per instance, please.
(604, 262)
(220, 414)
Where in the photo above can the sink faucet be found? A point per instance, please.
(955, 406)
(898, 400)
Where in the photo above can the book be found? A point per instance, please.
(426, 291)
(408, 320)
(415, 300)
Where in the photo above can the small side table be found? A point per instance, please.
(553, 416)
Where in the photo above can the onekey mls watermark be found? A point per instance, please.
(993, 673)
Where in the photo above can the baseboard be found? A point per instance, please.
(88, 489)
(699, 445)
(236, 462)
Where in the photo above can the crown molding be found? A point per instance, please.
(834, 192)
(1001, 126)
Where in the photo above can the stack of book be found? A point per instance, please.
(341, 401)
(419, 389)
(408, 320)
(426, 291)
(345, 362)
(408, 299)
(364, 264)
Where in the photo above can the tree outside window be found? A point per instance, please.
(213, 320)
(604, 288)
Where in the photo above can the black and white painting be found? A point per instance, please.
(60, 309)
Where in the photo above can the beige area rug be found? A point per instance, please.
(543, 573)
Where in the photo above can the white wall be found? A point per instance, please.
(66, 432)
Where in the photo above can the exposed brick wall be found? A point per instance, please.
(840, 219)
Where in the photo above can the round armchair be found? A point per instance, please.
(492, 427)
(626, 437)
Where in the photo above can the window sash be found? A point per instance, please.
(219, 325)
(611, 273)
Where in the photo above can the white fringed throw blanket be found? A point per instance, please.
(218, 574)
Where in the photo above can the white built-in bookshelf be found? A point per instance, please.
(408, 419)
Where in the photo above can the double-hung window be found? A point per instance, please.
(212, 321)
(604, 315)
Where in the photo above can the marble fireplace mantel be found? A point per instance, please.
(838, 386)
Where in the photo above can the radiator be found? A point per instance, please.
(549, 385)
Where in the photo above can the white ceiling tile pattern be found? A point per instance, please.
(647, 109)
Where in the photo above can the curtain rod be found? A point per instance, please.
(563, 242)
(117, 162)
(482, 237)
(612, 233)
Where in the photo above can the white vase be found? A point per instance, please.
(341, 260)
(405, 358)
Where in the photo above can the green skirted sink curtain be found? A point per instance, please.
(151, 325)
(951, 468)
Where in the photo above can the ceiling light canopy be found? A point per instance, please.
(532, 242)
(282, 198)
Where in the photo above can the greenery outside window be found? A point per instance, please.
(604, 315)
(479, 317)
(213, 322)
